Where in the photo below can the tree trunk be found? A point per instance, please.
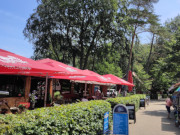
(82, 46)
(81, 57)
(147, 63)
(93, 62)
(74, 59)
(130, 55)
(91, 45)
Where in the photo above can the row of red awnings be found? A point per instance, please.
(11, 63)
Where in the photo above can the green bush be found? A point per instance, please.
(134, 99)
(73, 119)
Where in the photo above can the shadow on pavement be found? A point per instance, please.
(167, 125)
(161, 113)
(161, 104)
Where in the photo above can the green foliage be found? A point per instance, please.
(142, 75)
(134, 99)
(57, 95)
(165, 64)
(72, 31)
(107, 68)
(74, 119)
(161, 79)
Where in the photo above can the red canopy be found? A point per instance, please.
(11, 63)
(56, 65)
(117, 80)
(82, 78)
(86, 75)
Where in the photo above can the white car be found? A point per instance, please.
(110, 92)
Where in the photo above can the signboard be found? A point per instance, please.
(106, 122)
(132, 112)
(142, 103)
(120, 120)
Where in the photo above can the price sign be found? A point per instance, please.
(120, 120)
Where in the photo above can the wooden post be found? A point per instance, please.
(85, 92)
(92, 90)
(45, 96)
(72, 87)
(51, 88)
(104, 90)
(27, 88)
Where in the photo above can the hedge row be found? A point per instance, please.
(134, 99)
(79, 118)
(74, 119)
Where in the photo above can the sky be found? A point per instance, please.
(14, 14)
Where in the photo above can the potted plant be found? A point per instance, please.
(33, 99)
(57, 97)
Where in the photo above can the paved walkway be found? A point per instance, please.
(153, 121)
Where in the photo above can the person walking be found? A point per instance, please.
(168, 106)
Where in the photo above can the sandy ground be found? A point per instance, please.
(153, 121)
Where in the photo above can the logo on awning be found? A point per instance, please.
(12, 59)
(68, 69)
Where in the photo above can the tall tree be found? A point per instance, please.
(140, 17)
(70, 31)
(165, 70)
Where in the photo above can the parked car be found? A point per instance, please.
(110, 92)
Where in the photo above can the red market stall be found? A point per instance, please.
(89, 78)
(81, 76)
(15, 75)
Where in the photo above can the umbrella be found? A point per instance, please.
(11, 63)
(61, 67)
(83, 78)
(178, 89)
(86, 76)
(117, 80)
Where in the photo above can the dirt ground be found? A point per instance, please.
(153, 121)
